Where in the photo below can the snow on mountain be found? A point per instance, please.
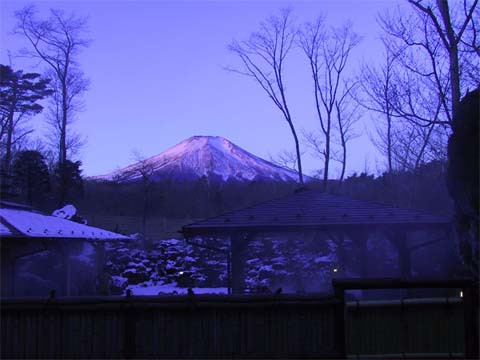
(212, 156)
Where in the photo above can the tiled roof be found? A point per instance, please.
(311, 209)
(16, 222)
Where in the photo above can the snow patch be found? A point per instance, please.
(323, 259)
(172, 289)
(67, 212)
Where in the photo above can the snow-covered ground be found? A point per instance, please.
(171, 289)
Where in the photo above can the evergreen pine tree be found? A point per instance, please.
(19, 97)
(30, 175)
(68, 181)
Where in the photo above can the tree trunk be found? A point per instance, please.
(452, 49)
(297, 149)
(344, 157)
(10, 128)
(455, 79)
(63, 127)
(389, 121)
(8, 150)
(327, 156)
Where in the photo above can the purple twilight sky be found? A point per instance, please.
(157, 76)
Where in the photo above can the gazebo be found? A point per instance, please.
(25, 232)
(330, 216)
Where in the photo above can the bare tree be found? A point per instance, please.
(439, 48)
(378, 89)
(415, 145)
(451, 32)
(287, 159)
(347, 115)
(57, 41)
(143, 171)
(263, 57)
(76, 85)
(328, 52)
(431, 59)
(403, 142)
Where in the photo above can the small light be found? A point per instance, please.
(461, 294)
(335, 270)
(181, 272)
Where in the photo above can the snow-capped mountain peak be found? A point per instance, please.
(212, 156)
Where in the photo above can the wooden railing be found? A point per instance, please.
(428, 326)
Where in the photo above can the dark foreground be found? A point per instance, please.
(240, 326)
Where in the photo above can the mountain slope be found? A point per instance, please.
(212, 156)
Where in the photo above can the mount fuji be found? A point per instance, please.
(211, 156)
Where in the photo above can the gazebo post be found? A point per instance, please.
(360, 236)
(66, 254)
(399, 239)
(8, 272)
(229, 272)
(100, 256)
(238, 245)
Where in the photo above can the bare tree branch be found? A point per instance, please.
(263, 56)
(328, 52)
(57, 41)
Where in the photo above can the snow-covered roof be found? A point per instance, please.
(4, 231)
(24, 223)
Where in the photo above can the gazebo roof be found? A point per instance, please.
(18, 222)
(307, 209)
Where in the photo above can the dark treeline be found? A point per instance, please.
(35, 183)
(32, 181)
(424, 189)
(178, 199)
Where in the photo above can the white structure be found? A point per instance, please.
(25, 232)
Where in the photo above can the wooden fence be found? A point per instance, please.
(170, 327)
(413, 326)
(236, 326)
(438, 328)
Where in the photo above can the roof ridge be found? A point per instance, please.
(243, 208)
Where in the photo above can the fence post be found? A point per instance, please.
(129, 340)
(229, 273)
(470, 316)
(340, 321)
